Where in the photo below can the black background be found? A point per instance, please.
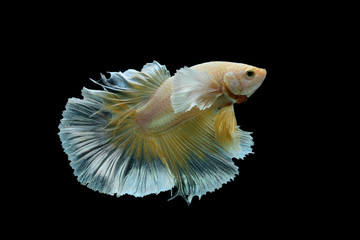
(267, 188)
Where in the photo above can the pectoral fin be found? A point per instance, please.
(193, 88)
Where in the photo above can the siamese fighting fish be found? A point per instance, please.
(148, 132)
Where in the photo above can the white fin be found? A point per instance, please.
(193, 88)
(242, 144)
(107, 161)
(133, 87)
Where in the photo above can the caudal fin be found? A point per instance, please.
(103, 159)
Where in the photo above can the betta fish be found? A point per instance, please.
(148, 132)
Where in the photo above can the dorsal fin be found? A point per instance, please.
(133, 87)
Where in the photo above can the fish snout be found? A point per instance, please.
(264, 72)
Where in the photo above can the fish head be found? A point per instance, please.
(243, 79)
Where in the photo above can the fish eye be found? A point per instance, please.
(249, 74)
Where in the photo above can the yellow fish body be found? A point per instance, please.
(148, 132)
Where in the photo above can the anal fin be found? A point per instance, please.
(194, 88)
(196, 160)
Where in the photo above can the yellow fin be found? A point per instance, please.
(195, 158)
(225, 123)
(190, 153)
(234, 140)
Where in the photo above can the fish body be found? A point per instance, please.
(148, 131)
(158, 114)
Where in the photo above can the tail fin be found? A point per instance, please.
(99, 161)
